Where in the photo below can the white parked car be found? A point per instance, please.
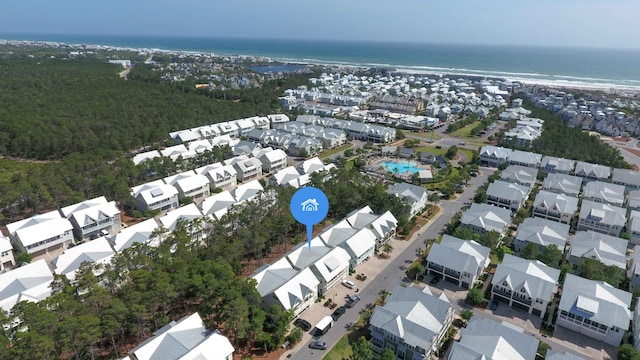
(348, 284)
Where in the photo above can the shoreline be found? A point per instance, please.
(532, 79)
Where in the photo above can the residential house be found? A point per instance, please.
(7, 260)
(277, 119)
(184, 339)
(636, 325)
(459, 261)
(218, 204)
(142, 232)
(494, 155)
(522, 158)
(155, 195)
(384, 226)
(542, 232)
(415, 196)
(273, 160)
(199, 146)
(554, 165)
(560, 183)
(630, 179)
(331, 269)
(310, 166)
(30, 282)
(590, 172)
(633, 227)
(142, 157)
(220, 176)
(521, 175)
(606, 249)
(595, 309)
(633, 270)
(602, 192)
(304, 146)
(482, 218)
(556, 207)
(246, 148)
(602, 218)
(633, 200)
(507, 195)
(525, 284)
(280, 284)
(93, 217)
(97, 251)
(285, 177)
(412, 323)
(247, 191)
(485, 338)
(338, 233)
(190, 214)
(190, 185)
(360, 247)
(175, 152)
(41, 234)
(229, 128)
(247, 169)
(306, 254)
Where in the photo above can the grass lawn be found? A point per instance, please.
(429, 136)
(329, 152)
(465, 131)
(430, 150)
(342, 350)
(494, 259)
(443, 182)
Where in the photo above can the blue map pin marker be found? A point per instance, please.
(309, 206)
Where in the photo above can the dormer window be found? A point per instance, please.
(522, 290)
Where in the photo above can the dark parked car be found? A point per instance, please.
(493, 305)
(302, 324)
(434, 281)
(338, 312)
(352, 301)
(318, 345)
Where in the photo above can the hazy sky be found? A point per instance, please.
(576, 23)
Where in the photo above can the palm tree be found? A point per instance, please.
(387, 248)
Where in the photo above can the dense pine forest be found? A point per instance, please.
(67, 127)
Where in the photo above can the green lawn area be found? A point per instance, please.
(441, 183)
(464, 132)
(430, 150)
(329, 152)
(342, 350)
(428, 136)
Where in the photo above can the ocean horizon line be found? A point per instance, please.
(530, 64)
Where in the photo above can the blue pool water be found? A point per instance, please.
(400, 168)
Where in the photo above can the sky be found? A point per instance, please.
(564, 23)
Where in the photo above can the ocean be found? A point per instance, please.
(549, 65)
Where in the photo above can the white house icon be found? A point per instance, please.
(310, 205)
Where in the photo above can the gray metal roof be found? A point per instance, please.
(566, 184)
(612, 304)
(459, 255)
(556, 202)
(603, 213)
(543, 232)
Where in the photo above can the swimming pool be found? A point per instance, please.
(400, 168)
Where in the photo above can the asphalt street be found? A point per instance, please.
(393, 273)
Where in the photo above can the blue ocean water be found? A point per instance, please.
(579, 65)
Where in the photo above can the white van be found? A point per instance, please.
(348, 284)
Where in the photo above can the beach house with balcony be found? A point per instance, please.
(97, 251)
(521, 175)
(630, 179)
(592, 172)
(594, 309)
(528, 285)
(7, 259)
(142, 232)
(93, 217)
(602, 192)
(41, 233)
(481, 218)
(555, 207)
(542, 232)
(280, 284)
(606, 249)
(190, 185)
(494, 155)
(458, 261)
(507, 195)
(554, 165)
(412, 323)
(155, 195)
(602, 218)
(31, 282)
(220, 176)
(560, 183)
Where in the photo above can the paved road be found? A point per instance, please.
(393, 273)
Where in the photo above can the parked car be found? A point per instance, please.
(434, 281)
(348, 283)
(361, 277)
(494, 305)
(338, 312)
(302, 324)
(352, 301)
(318, 345)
